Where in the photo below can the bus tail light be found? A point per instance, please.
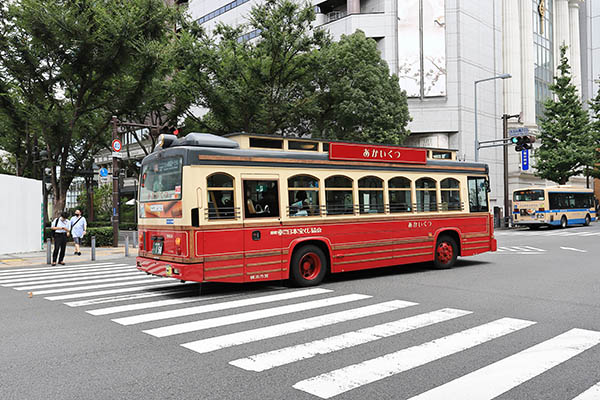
(142, 240)
(178, 245)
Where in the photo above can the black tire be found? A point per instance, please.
(563, 222)
(309, 266)
(588, 220)
(445, 252)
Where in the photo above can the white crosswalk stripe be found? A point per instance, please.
(520, 250)
(146, 279)
(68, 276)
(499, 377)
(136, 319)
(125, 297)
(287, 355)
(28, 271)
(150, 285)
(342, 380)
(235, 339)
(252, 315)
(592, 393)
(115, 278)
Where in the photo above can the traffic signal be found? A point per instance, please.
(523, 142)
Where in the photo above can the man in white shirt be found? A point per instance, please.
(61, 227)
(78, 229)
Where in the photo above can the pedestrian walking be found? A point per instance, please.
(78, 230)
(61, 227)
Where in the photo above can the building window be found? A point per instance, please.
(219, 11)
(543, 31)
(422, 47)
(400, 196)
(370, 195)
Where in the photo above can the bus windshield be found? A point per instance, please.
(161, 180)
(529, 195)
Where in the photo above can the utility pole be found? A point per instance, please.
(115, 186)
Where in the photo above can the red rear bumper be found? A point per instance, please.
(184, 272)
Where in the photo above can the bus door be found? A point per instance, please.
(262, 228)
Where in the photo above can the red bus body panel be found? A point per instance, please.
(264, 252)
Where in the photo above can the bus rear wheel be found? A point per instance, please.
(308, 266)
(446, 251)
(587, 221)
(563, 222)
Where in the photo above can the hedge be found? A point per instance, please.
(104, 236)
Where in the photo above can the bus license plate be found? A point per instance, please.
(157, 248)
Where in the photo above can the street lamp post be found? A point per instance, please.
(502, 76)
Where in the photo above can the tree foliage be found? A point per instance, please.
(65, 68)
(567, 142)
(278, 74)
(595, 125)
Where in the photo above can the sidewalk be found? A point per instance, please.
(39, 257)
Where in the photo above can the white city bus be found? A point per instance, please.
(553, 206)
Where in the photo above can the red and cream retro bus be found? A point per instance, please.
(249, 208)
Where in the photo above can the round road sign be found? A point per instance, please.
(116, 145)
(103, 172)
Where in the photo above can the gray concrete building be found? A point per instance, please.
(440, 48)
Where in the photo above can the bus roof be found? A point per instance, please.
(207, 149)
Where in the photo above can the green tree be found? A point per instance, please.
(290, 79)
(357, 97)
(65, 68)
(594, 170)
(567, 143)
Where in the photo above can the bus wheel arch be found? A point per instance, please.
(446, 250)
(454, 234)
(564, 222)
(310, 261)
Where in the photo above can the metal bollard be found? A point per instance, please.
(135, 240)
(49, 251)
(93, 248)
(126, 245)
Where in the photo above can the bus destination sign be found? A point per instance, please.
(365, 152)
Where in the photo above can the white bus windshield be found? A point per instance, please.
(161, 180)
(529, 195)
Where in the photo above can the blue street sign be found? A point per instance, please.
(524, 131)
(524, 160)
(103, 172)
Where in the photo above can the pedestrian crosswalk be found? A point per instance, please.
(315, 325)
(581, 232)
(521, 250)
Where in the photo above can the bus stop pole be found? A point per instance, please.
(48, 251)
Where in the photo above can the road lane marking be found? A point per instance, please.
(573, 249)
(287, 355)
(351, 377)
(81, 267)
(592, 393)
(181, 312)
(252, 315)
(254, 335)
(147, 279)
(533, 248)
(497, 378)
(149, 285)
(116, 278)
(75, 275)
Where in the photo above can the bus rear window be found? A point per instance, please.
(528, 195)
(161, 180)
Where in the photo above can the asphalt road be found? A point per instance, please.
(521, 323)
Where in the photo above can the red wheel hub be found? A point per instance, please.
(445, 252)
(310, 266)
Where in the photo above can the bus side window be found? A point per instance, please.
(261, 199)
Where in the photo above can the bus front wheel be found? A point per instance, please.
(563, 222)
(446, 251)
(308, 266)
(588, 219)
